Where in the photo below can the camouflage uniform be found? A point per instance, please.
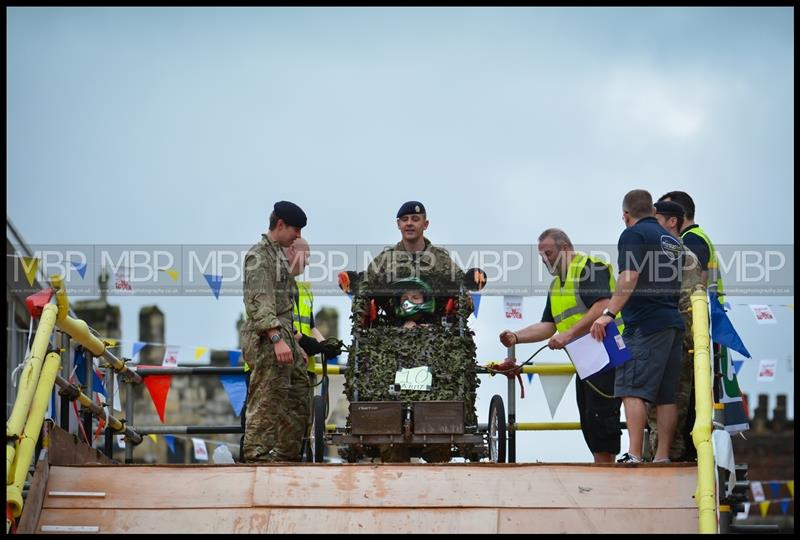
(682, 448)
(277, 399)
(434, 265)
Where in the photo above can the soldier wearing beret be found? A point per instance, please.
(277, 399)
(414, 256)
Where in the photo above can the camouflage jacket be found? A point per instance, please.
(433, 264)
(269, 288)
(691, 277)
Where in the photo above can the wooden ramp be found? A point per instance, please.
(367, 498)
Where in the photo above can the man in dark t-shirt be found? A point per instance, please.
(650, 261)
(570, 311)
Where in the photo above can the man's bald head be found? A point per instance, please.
(297, 255)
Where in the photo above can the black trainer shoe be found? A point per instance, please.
(629, 458)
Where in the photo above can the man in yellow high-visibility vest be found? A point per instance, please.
(579, 293)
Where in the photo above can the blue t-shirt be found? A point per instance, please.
(649, 249)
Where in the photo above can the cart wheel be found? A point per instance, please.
(497, 430)
(318, 429)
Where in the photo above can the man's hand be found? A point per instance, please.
(283, 353)
(331, 347)
(598, 329)
(558, 341)
(310, 345)
(508, 338)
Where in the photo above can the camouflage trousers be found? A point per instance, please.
(277, 401)
(682, 447)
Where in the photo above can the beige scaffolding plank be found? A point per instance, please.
(376, 520)
(155, 487)
(475, 486)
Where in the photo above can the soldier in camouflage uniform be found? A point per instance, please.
(413, 257)
(670, 216)
(277, 399)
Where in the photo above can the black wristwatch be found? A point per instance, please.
(609, 313)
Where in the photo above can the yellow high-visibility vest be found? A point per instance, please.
(566, 305)
(714, 276)
(303, 312)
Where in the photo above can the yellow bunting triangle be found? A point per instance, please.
(763, 506)
(790, 485)
(111, 342)
(29, 266)
(172, 273)
(153, 437)
(199, 351)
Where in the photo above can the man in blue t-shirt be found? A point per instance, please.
(648, 289)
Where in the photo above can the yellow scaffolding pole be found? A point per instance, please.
(705, 495)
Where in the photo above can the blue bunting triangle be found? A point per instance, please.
(236, 388)
(722, 330)
(784, 506)
(530, 377)
(233, 357)
(737, 365)
(775, 488)
(138, 346)
(80, 267)
(476, 303)
(214, 282)
(170, 442)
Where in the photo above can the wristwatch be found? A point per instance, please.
(609, 313)
(276, 337)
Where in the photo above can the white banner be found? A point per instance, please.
(513, 307)
(766, 370)
(200, 451)
(758, 491)
(171, 356)
(763, 314)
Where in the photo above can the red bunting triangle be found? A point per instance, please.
(158, 386)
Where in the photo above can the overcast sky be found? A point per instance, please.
(184, 126)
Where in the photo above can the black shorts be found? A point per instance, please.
(599, 415)
(654, 369)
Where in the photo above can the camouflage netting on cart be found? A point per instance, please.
(383, 351)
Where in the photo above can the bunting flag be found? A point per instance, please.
(121, 441)
(80, 267)
(200, 450)
(29, 266)
(158, 386)
(236, 388)
(233, 357)
(153, 437)
(137, 346)
(171, 272)
(530, 377)
(79, 361)
(735, 417)
(775, 489)
(763, 506)
(737, 365)
(170, 440)
(757, 490)
(790, 486)
(476, 303)
(722, 330)
(171, 356)
(214, 282)
(333, 361)
(554, 387)
(199, 351)
(784, 506)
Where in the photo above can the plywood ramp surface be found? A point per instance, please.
(366, 498)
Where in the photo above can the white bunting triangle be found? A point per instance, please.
(554, 387)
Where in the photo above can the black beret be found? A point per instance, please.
(669, 208)
(290, 213)
(411, 207)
